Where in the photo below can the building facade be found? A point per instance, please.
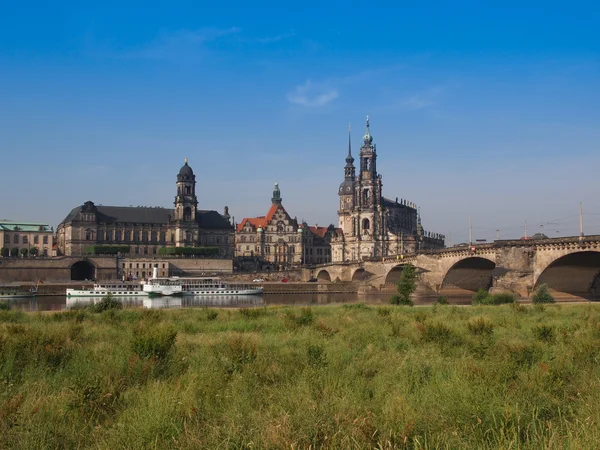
(147, 229)
(25, 239)
(372, 226)
(280, 240)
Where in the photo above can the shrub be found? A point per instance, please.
(397, 300)
(442, 300)
(316, 356)
(153, 342)
(24, 252)
(407, 284)
(4, 306)
(252, 313)
(480, 326)
(211, 314)
(541, 295)
(4, 252)
(108, 302)
(14, 252)
(544, 333)
(33, 251)
(106, 249)
(196, 251)
(502, 299)
(480, 297)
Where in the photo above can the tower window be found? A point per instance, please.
(188, 190)
(187, 213)
(366, 225)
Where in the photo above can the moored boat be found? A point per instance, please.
(101, 289)
(159, 286)
(14, 291)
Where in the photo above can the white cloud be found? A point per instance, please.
(310, 95)
(169, 45)
(423, 99)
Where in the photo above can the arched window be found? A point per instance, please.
(187, 213)
(366, 196)
(366, 225)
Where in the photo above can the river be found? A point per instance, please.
(60, 302)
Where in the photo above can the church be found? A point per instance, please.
(373, 226)
(143, 231)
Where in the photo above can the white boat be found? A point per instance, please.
(14, 291)
(156, 286)
(101, 289)
(216, 286)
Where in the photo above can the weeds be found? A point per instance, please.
(326, 377)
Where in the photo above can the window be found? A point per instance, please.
(7, 238)
(16, 239)
(153, 236)
(218, 240)
(45, 239)
(25, 241)
(118, 235)
(154, 250)
(36, 239)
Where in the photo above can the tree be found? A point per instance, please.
(33, 251)
(4, 252)
(407, 284)
(24, 252)
(14, 252)
(541, 295)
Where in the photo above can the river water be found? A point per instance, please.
(58, 303)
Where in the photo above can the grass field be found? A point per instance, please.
(351, 376)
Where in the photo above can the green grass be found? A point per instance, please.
(351, 376)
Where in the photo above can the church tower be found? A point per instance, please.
(347, 193)
(368, 190)
(186, 204)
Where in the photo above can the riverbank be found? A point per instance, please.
(351, 376)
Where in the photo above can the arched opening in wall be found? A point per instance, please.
(323, 276)
(470, 274)
(187, 213)
(393, 275)
(361, 275)
(83, 270)
(573, 275)
(366, 225)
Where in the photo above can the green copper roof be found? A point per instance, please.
(6, 225)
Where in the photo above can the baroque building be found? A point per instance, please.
(279, 240)
(372, 226)
(24, 238)
(147, 229)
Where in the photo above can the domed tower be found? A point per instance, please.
(186, 201)
(346, 192)
(276, 199)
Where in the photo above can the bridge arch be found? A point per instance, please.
(323, 276)
(361, 274)
(392, 277)
(471, 273)
(574, 273)
(83, 270)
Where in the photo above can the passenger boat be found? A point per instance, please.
(102, 289)
(216, 286)
(156, 286)
(15, 291)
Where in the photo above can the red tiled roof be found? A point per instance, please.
(258, 222)
(319, 231)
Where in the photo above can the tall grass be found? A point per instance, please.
(322, 377)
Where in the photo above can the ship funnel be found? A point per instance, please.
(155, 272)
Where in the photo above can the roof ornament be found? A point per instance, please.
(367, 138)
(185, 160)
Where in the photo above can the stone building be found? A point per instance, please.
(278, 239)
(22, 238)
(373, 226)
(147, 229)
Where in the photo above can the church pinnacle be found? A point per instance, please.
(367, 138)
(349, 158)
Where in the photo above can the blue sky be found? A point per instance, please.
(491, 113)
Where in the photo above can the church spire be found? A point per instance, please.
(367, 138)
(349, 158)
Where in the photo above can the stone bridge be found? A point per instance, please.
(569, 266)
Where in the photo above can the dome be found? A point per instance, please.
(367, 138)
(346, 187)
(186, 171)
(539, 236)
